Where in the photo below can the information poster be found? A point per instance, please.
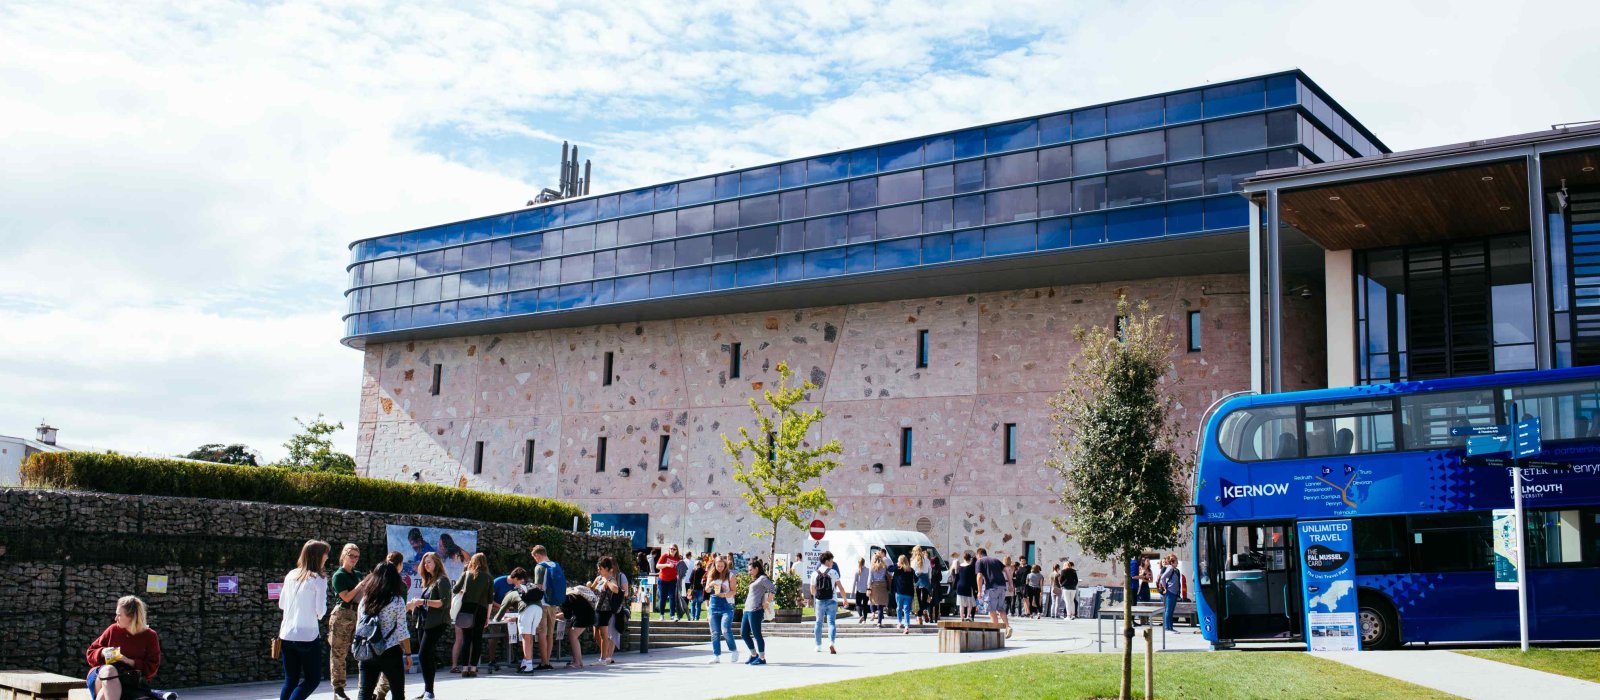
(155, 583)
(1505, 549)
(1328, 575)
(455, 547)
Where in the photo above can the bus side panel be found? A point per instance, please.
(1456, 606)
(1561, 604)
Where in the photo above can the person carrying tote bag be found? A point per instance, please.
(471, 608)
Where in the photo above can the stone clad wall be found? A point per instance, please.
(995, 358)
(68, 556)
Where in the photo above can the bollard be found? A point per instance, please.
(1149, 665)
(644, 633)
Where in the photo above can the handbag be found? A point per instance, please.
(462, 618)
(276, 652)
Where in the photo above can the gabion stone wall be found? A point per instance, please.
(67, 556)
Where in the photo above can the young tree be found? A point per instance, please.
(1119, 447)
(780, 462)
(238, 454)
(312, 450)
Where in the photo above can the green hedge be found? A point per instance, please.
(109, 473)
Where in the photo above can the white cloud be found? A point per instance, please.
(180, 181)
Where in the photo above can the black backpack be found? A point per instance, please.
(367, 643)
(824, 584)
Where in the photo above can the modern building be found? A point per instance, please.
(1449, 261)
(596, 349)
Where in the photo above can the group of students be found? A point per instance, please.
(369, 620)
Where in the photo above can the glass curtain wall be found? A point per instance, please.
(1456, 309)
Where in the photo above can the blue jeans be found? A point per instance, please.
(667, 598)
(302, 669)
(722, 626)
(902, 608)
(827, 610)
(1170, 601)
(696, 598)
(752, 625)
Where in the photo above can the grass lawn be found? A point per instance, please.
(1274, 675)
(1577, 663)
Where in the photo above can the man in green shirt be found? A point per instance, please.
(342, 620)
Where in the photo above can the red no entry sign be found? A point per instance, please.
(817, 529)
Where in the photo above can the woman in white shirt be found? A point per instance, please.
(304, 602)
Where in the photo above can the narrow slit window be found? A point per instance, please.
(772, 444)
(1011, 443)
(477, 458)
(527, 457)
(600, 456)
(605, 379)
(1194, 331)
(734, 353)
(922, 348)
(438, 377)
(664, 457)
(1121, 326)
(905, 447)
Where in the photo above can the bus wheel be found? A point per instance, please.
(1380, 627)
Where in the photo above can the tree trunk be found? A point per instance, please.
(772, 555)
(1127, 639)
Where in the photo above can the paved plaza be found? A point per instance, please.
(684, 672)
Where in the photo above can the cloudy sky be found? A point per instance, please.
(178, 183)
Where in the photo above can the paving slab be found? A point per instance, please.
(1466, 676)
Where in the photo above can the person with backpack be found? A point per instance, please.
(549, 578)
(826, 590)
(124, 658)
(433, 618)
(578, 612)
(304, 602)
(381, 643)
(697, 586)
(1169, 585)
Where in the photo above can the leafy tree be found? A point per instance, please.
(1119, 455)
(312, 449)
(225, 454)
(780, 462)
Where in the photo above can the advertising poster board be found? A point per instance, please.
(1505, 549)
(631, 525)
(454, 547)
(1328, 577)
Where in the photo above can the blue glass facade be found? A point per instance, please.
(1152, 167)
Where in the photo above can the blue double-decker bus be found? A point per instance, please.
(1385, 457)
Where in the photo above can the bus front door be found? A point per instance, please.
(1255, 585)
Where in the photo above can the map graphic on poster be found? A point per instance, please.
(1328, 575)
(455, 547)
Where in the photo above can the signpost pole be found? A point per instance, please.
(1522, 552)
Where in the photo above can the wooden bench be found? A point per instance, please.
(41, 685)
(960, 636)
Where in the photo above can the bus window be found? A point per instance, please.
(1254, 434)
(1352, 427)
(1452, 542)
(1566, 411)
(1381, 545)
(1426, 419)
(1555, 537)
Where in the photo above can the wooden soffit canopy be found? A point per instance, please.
(1437, 205)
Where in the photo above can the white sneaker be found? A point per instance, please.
(715, 660)
(819, 648)
(733, 658)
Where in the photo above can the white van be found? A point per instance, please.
(850, 546)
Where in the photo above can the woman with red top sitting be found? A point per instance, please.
(124, 658)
